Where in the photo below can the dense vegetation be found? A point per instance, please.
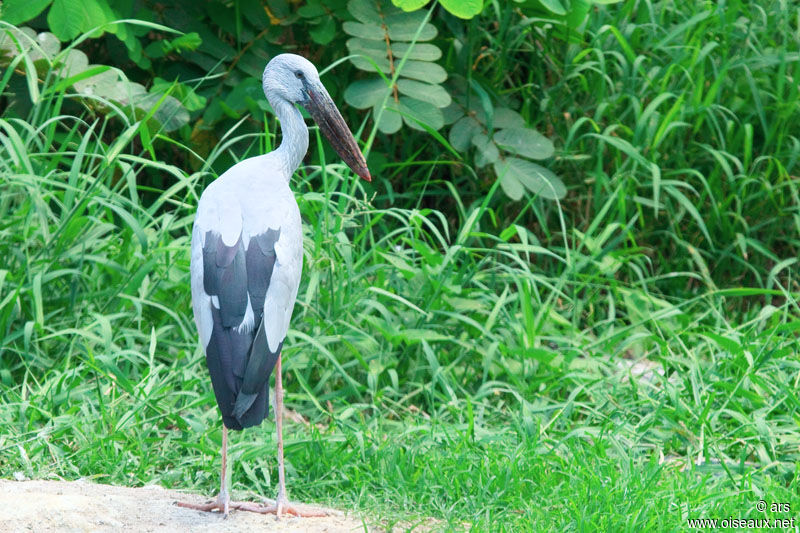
(607, 339)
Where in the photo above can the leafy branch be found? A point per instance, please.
(502, 139)
(382, 36)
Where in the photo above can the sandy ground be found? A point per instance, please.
(81, 506)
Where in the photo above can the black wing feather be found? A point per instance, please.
(240, 363)
(260, 262)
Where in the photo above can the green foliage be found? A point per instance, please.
(186, 42)
(66, 19)
(322, 16)
(385, 39)
(499, 136)
(69, 19)
(465, 9)
(403, 48)
(18, 11)
(102, 88)
(410, 83)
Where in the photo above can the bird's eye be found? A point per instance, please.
(299, 74)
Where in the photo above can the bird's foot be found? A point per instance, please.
(283, 506)
(222, 505)
(280, 507)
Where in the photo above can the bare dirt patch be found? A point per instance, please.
(33, 506)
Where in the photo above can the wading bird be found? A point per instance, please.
(247, 256)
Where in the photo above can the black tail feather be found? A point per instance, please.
(240, 365)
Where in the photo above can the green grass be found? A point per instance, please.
(457, 356)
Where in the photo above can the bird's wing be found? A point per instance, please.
(237, 295)
(282, 292)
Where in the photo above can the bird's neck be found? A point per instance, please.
(294, 136)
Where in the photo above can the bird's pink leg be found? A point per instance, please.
(282, 504)
(224, 498)
(222, 502)
(281, 501)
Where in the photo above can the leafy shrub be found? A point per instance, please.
(208, 78)
(102, 88)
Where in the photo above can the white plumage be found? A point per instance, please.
(252, 197)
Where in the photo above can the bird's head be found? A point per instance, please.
(294, 79)
(290, 77)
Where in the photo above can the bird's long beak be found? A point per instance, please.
(330, 122)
